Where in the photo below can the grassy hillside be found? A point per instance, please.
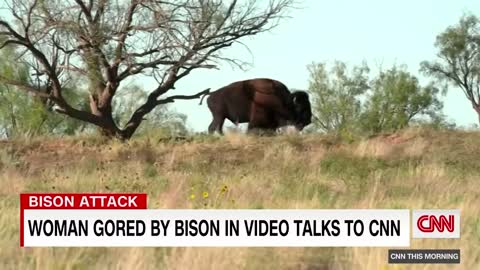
(410, 169)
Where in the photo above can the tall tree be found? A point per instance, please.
(108, 42)
(458, 60)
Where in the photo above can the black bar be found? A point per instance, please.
(425, 256)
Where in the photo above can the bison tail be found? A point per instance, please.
(201, 99)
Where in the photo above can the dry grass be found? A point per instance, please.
(411, 169)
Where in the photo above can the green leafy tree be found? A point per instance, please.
(348, 102)
(395, 99)
(458, 59)
(336, 95)
(25, 114)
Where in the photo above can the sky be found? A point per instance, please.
(376, 31)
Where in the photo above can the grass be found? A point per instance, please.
(410, 169)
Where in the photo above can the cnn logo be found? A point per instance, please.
(436, 223)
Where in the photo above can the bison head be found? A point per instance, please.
(303, 110)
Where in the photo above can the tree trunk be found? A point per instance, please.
(102, 107)
(137, 119)
(476, 107)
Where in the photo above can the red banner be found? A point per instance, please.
(83, 201)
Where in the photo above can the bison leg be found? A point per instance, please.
(216, 125)
(216, 107)
(261, 120)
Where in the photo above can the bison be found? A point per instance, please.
(264, 103)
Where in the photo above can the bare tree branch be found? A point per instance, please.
(25, 87)
(184, 97)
